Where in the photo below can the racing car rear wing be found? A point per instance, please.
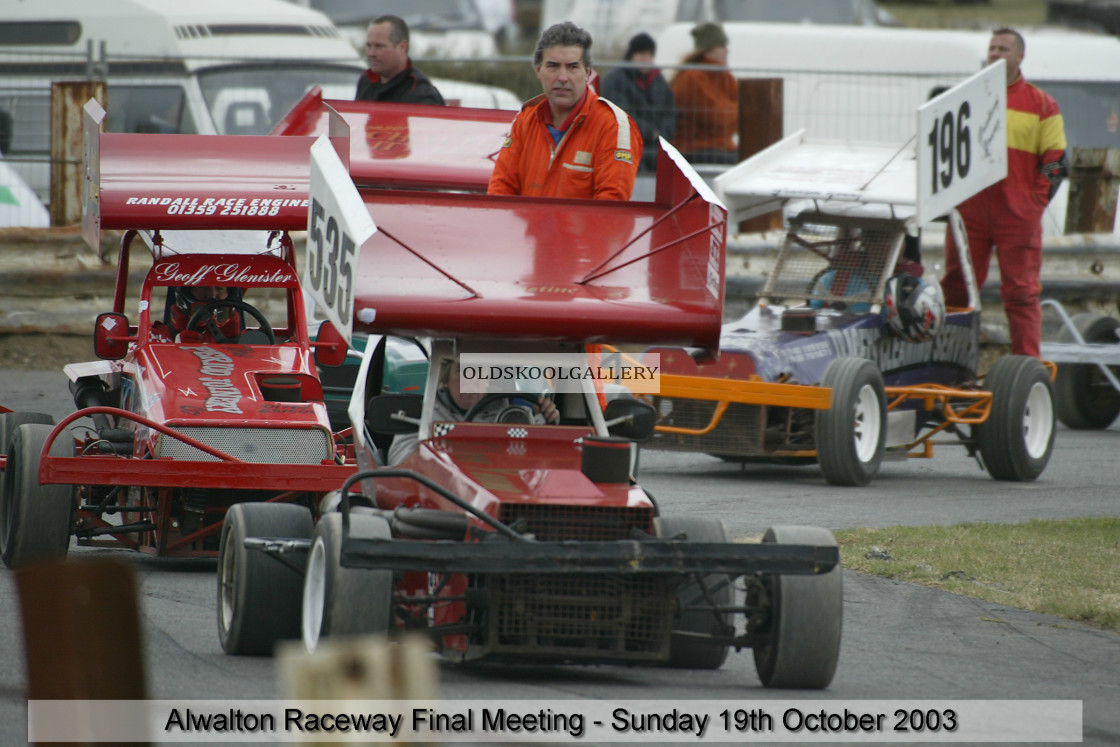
(441, 264)
(173, 181)
(529, 268)
(960, 147)
(407, 145)
(228, 182)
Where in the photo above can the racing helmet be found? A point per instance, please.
(915, 308)
(187, 300)
(842, 282)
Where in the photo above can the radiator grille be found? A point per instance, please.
(574, 615)
(258, 445)
(739, 433)
(552, 523)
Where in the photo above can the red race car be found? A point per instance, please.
(501, 533)
(209, 395)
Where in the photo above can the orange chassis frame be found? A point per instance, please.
(958, 406)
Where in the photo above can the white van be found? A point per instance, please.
(201, 66)
(437, 28)
(189, 66)
(612, 22)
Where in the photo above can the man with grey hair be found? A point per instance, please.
(391, 76)
(568, 142)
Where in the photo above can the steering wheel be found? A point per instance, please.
(479, 406)
(814, 283)
(209, 309)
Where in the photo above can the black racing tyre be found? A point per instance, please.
(851, 435)
(258, 595)
(1085, 398)
(685, 650)
(806, 618)
(1018, 437)
(9, 421)
(340, 601)
(34, 518)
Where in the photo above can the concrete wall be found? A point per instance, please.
(51, 282)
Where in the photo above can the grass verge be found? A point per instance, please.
(1067, 568)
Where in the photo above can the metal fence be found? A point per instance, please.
(834, 103)
(837, 104)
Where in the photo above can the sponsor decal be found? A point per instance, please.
(623, 155)
(507, 142)
(230, 206)
(216, 368)
(956, 345)
(583, 157)
(285, 408)
(387, 140)
(172, 273)
(715, 246)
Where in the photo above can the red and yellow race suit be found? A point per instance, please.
(597, 157)
(1008, 215)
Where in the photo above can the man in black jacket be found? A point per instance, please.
(644, 94)
(391, 76)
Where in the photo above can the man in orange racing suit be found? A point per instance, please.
(1008, 214)
(568, 142)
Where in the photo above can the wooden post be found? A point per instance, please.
(81, 633)
(68, 100)
(1093, 185)
(359, 668)
(760, 126)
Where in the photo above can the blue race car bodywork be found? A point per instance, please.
(814, 373)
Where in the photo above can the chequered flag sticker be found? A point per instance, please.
(517, 433)
(442, 429)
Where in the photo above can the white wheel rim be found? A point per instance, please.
(314, 595)
(1038, 420)
(867, 431)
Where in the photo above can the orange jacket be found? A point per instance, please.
(708, 106)
(597, 157)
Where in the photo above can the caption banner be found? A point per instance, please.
(560, 722)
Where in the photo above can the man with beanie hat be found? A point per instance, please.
(643, 92)
(708, 101)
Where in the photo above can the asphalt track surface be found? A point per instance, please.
(901, 642)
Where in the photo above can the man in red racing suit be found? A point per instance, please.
(1008, 214)
(568, 142)
(223, 324)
